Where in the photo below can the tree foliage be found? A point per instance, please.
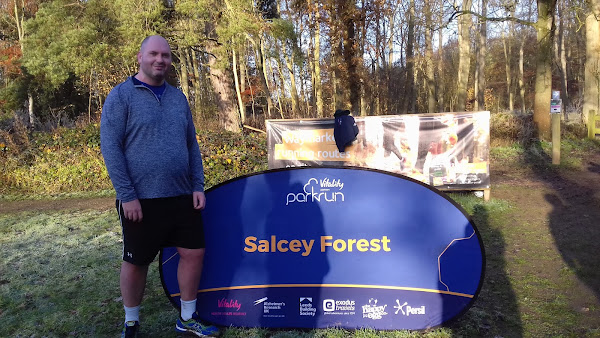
(293, 58)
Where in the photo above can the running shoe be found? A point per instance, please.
(194, 326)
(130, 330)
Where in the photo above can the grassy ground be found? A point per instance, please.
(59, 267)
(59, 277)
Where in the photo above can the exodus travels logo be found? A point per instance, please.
(271, 309)
(339, 307)
(408, 310)
(306, 307)
(374, 311)
(228, 307)
(314, 190)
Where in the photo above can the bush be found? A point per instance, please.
(226, 155)
(68, 161)
(508, 128)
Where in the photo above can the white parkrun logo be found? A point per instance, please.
(318, 191)
(408, 310)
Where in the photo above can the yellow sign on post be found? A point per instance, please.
(555, 138)
(593, 124)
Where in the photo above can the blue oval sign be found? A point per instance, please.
(333, 247)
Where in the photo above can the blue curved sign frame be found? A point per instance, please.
(333, 247)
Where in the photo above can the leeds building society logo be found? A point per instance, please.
(339, 307)
(374, 311)
(325, 190)
(306, 307)
(408, 310)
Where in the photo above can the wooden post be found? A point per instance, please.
(555, 138)
(591, 124)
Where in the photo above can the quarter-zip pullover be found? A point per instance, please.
(168, 165)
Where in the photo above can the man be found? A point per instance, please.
(149, 145)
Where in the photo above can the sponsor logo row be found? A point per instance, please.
(374, 309)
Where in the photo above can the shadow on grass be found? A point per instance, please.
(574, 223)
(495, 312)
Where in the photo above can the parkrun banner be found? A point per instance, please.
(448, 150)
(333, 247)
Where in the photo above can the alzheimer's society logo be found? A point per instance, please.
(324, 190)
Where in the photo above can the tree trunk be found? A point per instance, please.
(228, 115)
(543, 76)
(387, 107)
(481, 54)
(195, 64)
(464, 59)
(264, 79)
(429, 72)
(318, 86)
(337, 97)
(441, 88)
(521, 75)
(358, 76)
(19, 17)
(289, 63)
(522, 61)
(408, 105)
(30, 108)
(183, 73)
(335, 90)
(238, 91)
(560, 55)
(591, 97)
(506, 43)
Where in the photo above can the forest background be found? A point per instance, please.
(242, 61)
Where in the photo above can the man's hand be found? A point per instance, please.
(199, 200)
(133, 210)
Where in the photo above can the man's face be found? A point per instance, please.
(155, 61)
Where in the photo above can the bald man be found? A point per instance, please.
(148, 141)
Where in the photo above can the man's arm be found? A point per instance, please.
(196, 167)
(113, 125)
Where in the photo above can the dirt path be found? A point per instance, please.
(555, 242)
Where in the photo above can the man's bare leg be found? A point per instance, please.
(189, 272)
(133, 283)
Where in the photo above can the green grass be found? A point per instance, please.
(59, 277)
(59, 270)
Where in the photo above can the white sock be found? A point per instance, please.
(132, 313)
(188, 307)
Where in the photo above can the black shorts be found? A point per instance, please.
(166, 222)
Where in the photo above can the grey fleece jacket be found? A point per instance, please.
(149, 145)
